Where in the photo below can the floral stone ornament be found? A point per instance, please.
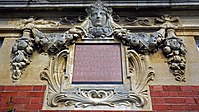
(175, 51)
(99, 26)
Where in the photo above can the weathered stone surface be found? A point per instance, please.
(97, 63)
(187, 30)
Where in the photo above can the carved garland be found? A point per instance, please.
(139, 73)
(173, 47)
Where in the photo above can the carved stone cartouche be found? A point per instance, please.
(100, 25)
(80, 97)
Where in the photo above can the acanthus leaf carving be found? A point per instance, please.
(139, 72)
(54, 73)
(92, 97)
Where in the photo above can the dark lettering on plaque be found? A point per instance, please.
(97, 64)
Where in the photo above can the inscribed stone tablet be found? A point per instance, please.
(97, 63)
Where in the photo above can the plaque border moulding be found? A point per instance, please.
(99, 26)
(122, 64)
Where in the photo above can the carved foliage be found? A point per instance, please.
(93, 97)
(83, 98)
(139, 73)
(168, 21)
(54, 73)
(80, 97)
(173, 47)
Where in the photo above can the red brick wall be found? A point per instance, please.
(175, 98)
(22, 98)
(164, 98)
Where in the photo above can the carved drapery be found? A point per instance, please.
(139, 73)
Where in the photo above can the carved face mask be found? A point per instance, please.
(98, 18)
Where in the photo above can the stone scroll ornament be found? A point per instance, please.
(100, 25)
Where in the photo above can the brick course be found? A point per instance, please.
(164, 98)
(175, 98)
(22, 98)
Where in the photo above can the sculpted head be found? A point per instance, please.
(98, 14)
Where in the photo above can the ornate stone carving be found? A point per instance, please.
(80, 97)
(48, 43)
(138, 22)
(141, 42)
(139, 72)
(67, 20)
(99, 23)
(97, 26)
(173, 47)
(33, 22)
(167, 21)
(21, 52)
(175, 51)
(52, 43)
(54, 73)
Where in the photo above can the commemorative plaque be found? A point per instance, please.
(98, 64)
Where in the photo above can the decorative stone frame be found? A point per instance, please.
(132, 94)
(137, 46)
